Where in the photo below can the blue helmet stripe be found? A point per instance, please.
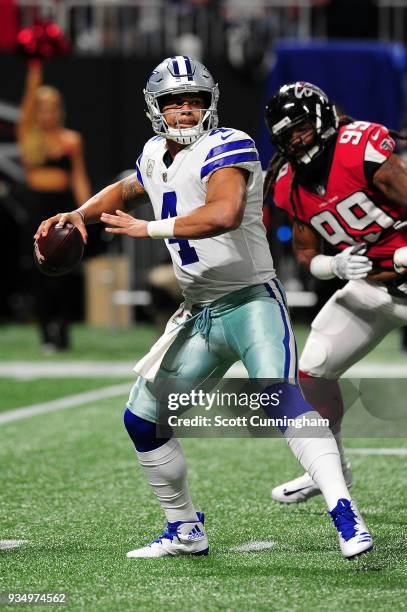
(231, 146)
(188, 67)
(175, 66)
(229, 160)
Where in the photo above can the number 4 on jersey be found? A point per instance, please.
(186, 252)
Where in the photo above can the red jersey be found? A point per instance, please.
(349, 210)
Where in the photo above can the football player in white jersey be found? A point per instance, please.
(205, 186)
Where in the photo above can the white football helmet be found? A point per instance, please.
(175, 75)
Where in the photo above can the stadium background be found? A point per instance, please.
(69, 486)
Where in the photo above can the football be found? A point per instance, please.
(60, 251)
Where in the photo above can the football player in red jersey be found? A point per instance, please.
(340, 182)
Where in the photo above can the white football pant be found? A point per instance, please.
(353, 321)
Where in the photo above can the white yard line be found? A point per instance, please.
(376, 369)
(400, 452)
(28, 370)
(253, 546)
(8, 544)
(64, 402)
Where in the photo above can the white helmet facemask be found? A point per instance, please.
(174, 76)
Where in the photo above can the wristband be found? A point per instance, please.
(161, 229)
(321, 267)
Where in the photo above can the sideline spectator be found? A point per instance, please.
(56, 180)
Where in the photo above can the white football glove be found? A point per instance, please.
(400, 260)
(350, 264)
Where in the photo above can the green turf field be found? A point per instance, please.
(20, 342)
(71, 488)
(18, 393)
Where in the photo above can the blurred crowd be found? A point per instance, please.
(245, 31)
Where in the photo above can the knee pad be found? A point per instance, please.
(143, 433)
(314, 358)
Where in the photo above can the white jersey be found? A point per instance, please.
(209, 268)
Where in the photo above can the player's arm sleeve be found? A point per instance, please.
(240, 152)
(281, 193)
(379, 147)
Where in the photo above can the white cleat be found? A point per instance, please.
(301, 489)
(354, 538)
(180, 538)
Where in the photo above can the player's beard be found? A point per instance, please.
(318, 169)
